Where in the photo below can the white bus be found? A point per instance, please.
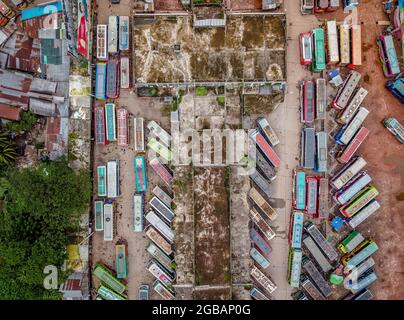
(322, 152)
(345, 44)
(162, 209)
(124, 33)
(158, 132)
(263, 280)
(112, 34)
(138, 131)
(345, 92)
(321, 99)
(125, 73)
(108, 222)
(365, 213)
(102, 30)
(347, 172)
(113, 178)
(346, 133)
(160, 225)
(332, 42)
(352, 107)
(138, 211)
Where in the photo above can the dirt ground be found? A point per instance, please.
(243, 5)
(385, 157)
(168, 5)
(236, 52)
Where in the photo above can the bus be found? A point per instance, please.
(297, 229)
(262, 204)
(160, 274)
(353, 278)
(347, 172)
(138, 212)
(332, 42)
(395, 127)
(312, 192)
(108, 222)
(261, 183)
(320, 5)
(294, 267)
(359, 201)
(306, 6)
(162, 290)
(361, 180)
(316, 253)
(113, 176)
(158, 132)
(345, 92)
(162, 171)
(299, 295)
(100, 80)
(323, 210)
(102, 42)
(308, 99)
(263, 280)
(321, 99)
(261, 224)
(140, 173)
(257, 294)
(106, 277)
(359, 254)
(138, 130)
(101, 180)
(310, 288)
(162, 209)
(122, 127)
(318, 63)
(108, 294)
(365, 281)
(306, 48)
(346, 133)
(354, 239)
(365, 294)
(110, 122)
(160, 149)
(99, 125)
(388, 55)
(266, 149)
(99, 215)
(319, 238)
(346, 115)
(120, 261)
(345, 44)
(125, 73)
(158, 240)
(264, 166)
(356, 44)
(124, 33)
(112, 34)
(163, 196)
(260, 242)
(259, 258)
(346, 154)
(300, 190)
(309, 148)
(363, 214)
(322, 152)
(267, 131)
(160, 225)
(318, 279)
(163, 259)
(112, 79)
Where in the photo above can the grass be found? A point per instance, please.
(221, 100)
(201, 91)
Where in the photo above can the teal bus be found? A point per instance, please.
(294, 267)
(318, 63)
(106, 277)
(102, 185)
(300, 190)
(107, 294)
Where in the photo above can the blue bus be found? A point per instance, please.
(140, 174)
(100, 80)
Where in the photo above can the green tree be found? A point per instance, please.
(41, 206)
(7, 150)
(27, 123)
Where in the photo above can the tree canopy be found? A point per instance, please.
(39, 208)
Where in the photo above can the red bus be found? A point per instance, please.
(345, 155)
(112, 79)
(266, 149)
(307, 101)
(306, 48)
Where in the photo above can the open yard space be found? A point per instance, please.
(169, 49)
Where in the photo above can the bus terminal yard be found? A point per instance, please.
(191, 231)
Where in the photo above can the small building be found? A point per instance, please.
(9, 112)
(270, 4)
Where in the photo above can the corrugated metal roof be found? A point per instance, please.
(210, 23)
(42, 107)
(9, 112)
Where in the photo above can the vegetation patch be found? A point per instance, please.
(201, 91)
(221, 100)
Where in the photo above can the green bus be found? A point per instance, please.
(161, 149)
(105, 275)
(359, 201)
(318, 63)
(107, 294)
(351, 242)
(120, 261)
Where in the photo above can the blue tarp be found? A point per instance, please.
(42, 10)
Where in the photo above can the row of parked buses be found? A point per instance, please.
(262, 213)
(342, 44)
(112, 71)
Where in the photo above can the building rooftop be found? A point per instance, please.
(9, 112)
